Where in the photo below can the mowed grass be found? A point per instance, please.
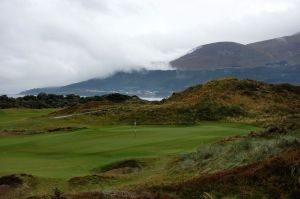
(69, 154)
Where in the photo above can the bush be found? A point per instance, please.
(213, 111)
(207, 111)
(231, 111)
(44, 100)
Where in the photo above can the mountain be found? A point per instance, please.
(154, 83)
(158, 83)
(221, 55)
(284, 50)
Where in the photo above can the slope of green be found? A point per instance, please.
(68, 154)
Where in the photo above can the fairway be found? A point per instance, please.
(68, 154)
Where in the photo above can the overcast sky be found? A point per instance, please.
(56, 42)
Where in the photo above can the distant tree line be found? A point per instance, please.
(44, 100)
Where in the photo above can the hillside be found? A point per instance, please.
(214, 100)
(284, 50)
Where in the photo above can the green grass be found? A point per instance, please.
(21, 114)
(69, 154)
(23, 118)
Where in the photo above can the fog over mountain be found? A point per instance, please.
(57, 42)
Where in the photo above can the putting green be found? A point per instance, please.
(68, 154)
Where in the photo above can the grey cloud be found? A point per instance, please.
(55, 42)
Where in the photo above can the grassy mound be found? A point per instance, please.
(214, 100)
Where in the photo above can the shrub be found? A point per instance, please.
(207, 111)
(231, 111)
(213, 111)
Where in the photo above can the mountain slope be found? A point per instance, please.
(281, 49)
(228, 54)
(221, 55)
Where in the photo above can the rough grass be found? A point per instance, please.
(236, 152)
(276, 177)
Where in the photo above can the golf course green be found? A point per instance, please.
(67, 154)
